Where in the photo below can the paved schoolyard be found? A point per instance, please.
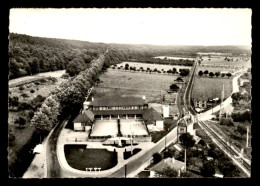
(104, 128)
(138, 128)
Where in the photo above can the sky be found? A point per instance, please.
(165, 26)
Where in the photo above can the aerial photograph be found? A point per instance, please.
(129, 93)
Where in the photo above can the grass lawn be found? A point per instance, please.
(209, 88)
(79, 157)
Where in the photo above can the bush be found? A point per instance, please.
(36, 83)
(157, 157)
(24, 106)
(32, 91)
(30, 114)
(21, 88)
(241, 129)
(227, 122)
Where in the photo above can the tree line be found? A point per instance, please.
(212, 74)
(65, 98)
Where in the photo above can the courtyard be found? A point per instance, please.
(104, 128)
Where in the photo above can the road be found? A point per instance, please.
(136, 166)
(245, 164)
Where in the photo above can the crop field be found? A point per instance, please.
(237, 61)
(211, 87)
(153, 66)
(153, 86)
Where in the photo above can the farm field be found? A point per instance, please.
(153, 86)
(209, 88)
(153, 66)
(220, 61)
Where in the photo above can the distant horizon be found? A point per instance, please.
(127, 43)
(152, 26)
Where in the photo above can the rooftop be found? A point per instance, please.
(168, 162)
(186, 120)
(85, 117)
(152, 115)
(117, 112)
(118, 101)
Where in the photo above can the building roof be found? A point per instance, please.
(185, 121)
(168, 162)
(118, 101)
(117, 112)
(82, 118)
(152, 115)
(89, 114)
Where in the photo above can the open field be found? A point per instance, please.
(209, 88)
(152, 66)
(237, 61)
(153, 86)
(80, 157)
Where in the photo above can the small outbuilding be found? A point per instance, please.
(83, 121)
(153, 119)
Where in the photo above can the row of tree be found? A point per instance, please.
(64, 98)
(212, 74)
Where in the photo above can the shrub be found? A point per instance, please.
(157, 157)
(36, 83)
(241, 129)
(21, 88)
(32, 91)
(24, 95)
(227, 121)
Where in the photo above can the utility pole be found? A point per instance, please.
(247, 134)
(165, 141)
(125, 169)
(222, 97)
(185, 160)
(131, 140)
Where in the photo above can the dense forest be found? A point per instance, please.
(30, 55)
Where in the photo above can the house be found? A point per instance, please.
(83, 121)
(200, 101)
(153, 119)
(185, 125)
(172, 163)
